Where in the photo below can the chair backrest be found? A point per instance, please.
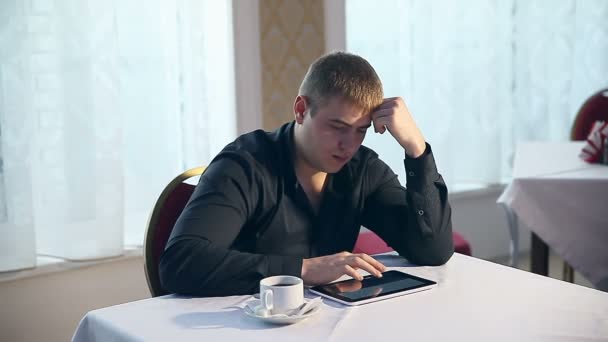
(370, 243)
(594, 109)
(167, 209)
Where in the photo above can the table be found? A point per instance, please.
(564, 201)
(475, 300)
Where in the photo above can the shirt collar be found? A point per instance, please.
(286, 140)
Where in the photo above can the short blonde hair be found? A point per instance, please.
(343, 75)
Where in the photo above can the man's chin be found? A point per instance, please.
(330, 165)
(333, 167)
(333, 170)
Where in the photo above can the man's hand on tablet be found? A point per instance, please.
(325, 269)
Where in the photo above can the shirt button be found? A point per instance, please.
(411, 173)
(420, 212)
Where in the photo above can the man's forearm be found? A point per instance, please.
(196, 267)
(430, 241)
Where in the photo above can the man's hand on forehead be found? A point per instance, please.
(394, 116)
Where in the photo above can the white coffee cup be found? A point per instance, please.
(281, 294)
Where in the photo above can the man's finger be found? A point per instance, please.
(377, 264)
(351, 272)
(379, 113)
(377, 126)
(364, 265)
(389, 99)
(388, 102)
(381, 124)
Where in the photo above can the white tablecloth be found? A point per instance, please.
(565, 202)
(475, 301)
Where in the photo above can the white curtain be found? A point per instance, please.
(480, 75)
(102, 103)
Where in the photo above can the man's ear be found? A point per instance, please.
(299, 108)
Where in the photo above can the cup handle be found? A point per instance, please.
(267, 299)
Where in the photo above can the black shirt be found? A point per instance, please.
(248, 218)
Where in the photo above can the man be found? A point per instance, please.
(292, 201)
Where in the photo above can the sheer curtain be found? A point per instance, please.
(102, 103)
(480, 75)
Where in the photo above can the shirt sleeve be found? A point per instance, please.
(199, 259)
(415, 222)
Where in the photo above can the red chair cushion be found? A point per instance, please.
(169, 213)
(370, 243)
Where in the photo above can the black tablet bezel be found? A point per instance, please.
(322, 288)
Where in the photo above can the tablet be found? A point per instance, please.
(371, 289)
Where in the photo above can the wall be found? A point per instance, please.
(49, 307)
(292, 36)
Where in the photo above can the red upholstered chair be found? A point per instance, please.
(594, 109)
(370, 243)
(167, 209)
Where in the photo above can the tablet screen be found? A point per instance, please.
(353, 290)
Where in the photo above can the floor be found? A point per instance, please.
(555, 268)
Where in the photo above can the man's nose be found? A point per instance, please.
(346, 142)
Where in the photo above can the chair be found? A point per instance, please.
(167, 209)
(370, 243)
(594, 109)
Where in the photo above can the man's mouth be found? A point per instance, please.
(339, 158)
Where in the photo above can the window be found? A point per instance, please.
(101, 105)
(480, 75)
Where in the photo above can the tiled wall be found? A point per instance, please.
(292, 35)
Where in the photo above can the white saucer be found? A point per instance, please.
(280, 319)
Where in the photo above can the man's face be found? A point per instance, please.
(333, 134)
